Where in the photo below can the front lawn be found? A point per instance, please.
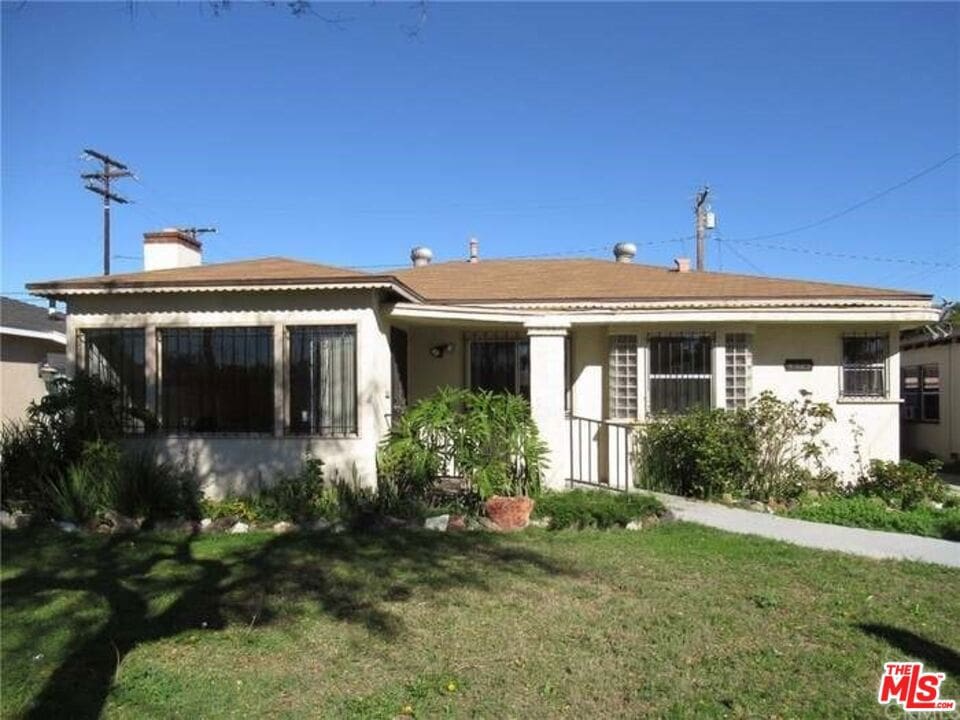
(679, 621)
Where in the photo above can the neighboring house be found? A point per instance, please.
(32, 346)
(930, 387)
(251, 365)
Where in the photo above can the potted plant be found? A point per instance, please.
(501, 453)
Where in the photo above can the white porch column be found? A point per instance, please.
(547, 387)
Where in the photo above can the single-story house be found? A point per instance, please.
(250, 365)
(930, 388)
(32, 347)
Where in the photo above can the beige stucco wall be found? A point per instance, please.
(20, 383)
(237, 465)
(878, 418)
(941, 438)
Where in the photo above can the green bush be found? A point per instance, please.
(873, 513)
(769, 450)
(594, 508)
(905, 484)
(489, 437)
(703, 454)
(298, 497)
(145, 488)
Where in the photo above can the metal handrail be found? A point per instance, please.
(600, 453)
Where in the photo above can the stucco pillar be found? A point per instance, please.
(547, 386)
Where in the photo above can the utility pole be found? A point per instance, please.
(700, 208)
(99, 183)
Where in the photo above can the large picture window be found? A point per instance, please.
(681, 374)
(116, 356)
(500, 364)
(323, 380)
(921, 393)
(216, 380)
(864, 372)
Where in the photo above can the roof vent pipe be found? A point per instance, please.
(683, 265)
(624, 252)
(474, 250)
(421, 256)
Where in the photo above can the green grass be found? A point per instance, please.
(679, 621)
(873, 513)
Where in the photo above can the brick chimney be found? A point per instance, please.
(170, 248)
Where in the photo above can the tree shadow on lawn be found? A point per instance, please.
(916, 646)
(233, 580)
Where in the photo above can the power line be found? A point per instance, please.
(843, 255)
(855, 206)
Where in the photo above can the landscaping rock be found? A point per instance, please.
(113, 522)
(541, 522)
(67, 527)
(651, 521)
(438, 523)
(239, 528)
(756, 506)
(206, 525)
(637, 524)
(222, 524)
(457, 523)
(22, 519)
(319, 525)
(488, 524)
(727, 499)
(338, 528)
(667, 516)
(283, 527)
(7, 521)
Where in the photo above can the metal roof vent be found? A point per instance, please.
(624, 252)
(682, 265)
(474, 250)
(421, 256)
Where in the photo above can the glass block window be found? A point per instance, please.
(864, 372)
(739, 364)
(681, 372)
(116, 357)
(623, 376)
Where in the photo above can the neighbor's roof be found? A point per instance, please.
(501, 281)
(488, 281)
(20, 316)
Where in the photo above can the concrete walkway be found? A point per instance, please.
(856, 541)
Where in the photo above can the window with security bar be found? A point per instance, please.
(623, 376)
(116, 357)
(864, 371)
(323, 380)
(499, 363)
(920, 388)
(739, 366)
(681, 372)
(216, 380)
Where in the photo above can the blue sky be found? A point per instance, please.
(539, 128)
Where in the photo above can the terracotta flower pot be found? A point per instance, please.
(509, 513)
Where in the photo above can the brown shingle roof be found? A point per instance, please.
(496, 281)
(604, 280)
(275, 270)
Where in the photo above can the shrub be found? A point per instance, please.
(771, 449)
(490, 437)
(29, 458)
(594, 508)
(298, 497)
(874, 513)
(905, 484)
(240, 508)
(701, 454)
(154, 490)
